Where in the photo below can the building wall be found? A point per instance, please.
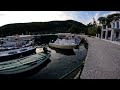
(112, 26)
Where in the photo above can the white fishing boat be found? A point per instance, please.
(15, 42)
(23, 64)
(16, 53)
(66, 42)
(12, 47)
(63, 44)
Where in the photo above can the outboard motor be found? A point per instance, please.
(45, 50)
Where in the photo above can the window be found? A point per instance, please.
(104, 26)
(113, 25)
(109, 26)
(117, 24)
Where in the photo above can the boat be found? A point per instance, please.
(66, 42)
(16, 53)
(65, 45)
(3, 48)
(15, 42)
(12, 47)
(21, 65)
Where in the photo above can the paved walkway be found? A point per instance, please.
(103, 60)
(115, 42)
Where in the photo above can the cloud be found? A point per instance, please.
(96, 15)
(84, 17)
(31, 16)
(111, 12)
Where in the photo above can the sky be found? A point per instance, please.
(85, 17)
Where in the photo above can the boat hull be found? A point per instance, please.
(62, 46)
(17, 55)
(24, 68)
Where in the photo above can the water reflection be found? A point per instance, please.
(63, 51)
(60, 63)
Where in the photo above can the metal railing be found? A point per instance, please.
(75, 73)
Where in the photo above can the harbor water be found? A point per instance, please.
(59, 64)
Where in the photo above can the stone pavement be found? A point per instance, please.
(102, 61)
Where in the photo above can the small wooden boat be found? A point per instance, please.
(23, 64)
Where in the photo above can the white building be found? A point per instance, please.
(112, 32)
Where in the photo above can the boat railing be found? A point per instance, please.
(75, 73)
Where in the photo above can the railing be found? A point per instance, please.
(75, 73)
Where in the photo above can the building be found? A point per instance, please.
(111, 32)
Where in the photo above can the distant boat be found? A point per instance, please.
(23, 64)
(12, 47)
(66, 42)
(15, 42)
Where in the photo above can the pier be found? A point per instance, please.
(102, 61)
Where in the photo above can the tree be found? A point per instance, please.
(108, 19)
(98, 30)
(74, 29)
(89, 24)
(112, 17)
(94, 22)
(102, 20)
(92, 31)
(92, 28)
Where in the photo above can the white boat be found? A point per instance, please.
(63, 44)
(13, 42)
(6, 48)
(12, 47)
(66, 43)
(16, 53)
(23, 64)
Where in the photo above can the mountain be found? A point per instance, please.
(42, 27)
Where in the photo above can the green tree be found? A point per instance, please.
(92, 30)
(102, 20)
(109, 18)
(99, 30)
(74, 29)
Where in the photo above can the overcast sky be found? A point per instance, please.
(84, 17)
